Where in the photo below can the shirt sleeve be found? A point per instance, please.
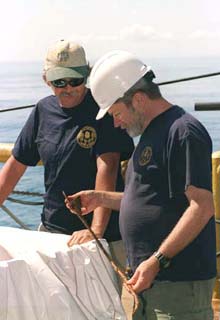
(189, 162)
(111, 139)
(25, 148)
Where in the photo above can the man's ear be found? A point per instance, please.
(45, 80)
(138, 98)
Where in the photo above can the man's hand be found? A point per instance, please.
(90, 200)
(144, 275)
(81, 236)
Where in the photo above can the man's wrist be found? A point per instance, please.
(98, 230)
(101, 198)
(163, 261)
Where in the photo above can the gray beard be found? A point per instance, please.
(135, 130)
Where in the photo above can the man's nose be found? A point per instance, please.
(69, 88)
(116, 122)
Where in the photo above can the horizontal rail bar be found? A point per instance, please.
(17, 108)
(190, 78)
(207, 106)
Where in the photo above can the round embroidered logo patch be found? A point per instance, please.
(145, 156)
(87, 137)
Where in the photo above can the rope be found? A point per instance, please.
(31, 203)
(37, 194)
(17, 220)
(121, 273)
(25, 202)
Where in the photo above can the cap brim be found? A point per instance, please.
(102, 112)
(60, 73)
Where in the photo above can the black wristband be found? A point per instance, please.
(164, 262)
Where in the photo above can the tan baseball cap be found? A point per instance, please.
(65, 59)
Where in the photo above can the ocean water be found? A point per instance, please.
(21, 84)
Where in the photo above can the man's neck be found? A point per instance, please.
(156, 107)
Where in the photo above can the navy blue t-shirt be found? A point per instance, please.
(68, 141)
(173, 152)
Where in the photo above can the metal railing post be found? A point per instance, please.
(216, 196)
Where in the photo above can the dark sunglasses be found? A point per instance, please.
(62, 83)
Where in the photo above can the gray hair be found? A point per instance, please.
(144, 85)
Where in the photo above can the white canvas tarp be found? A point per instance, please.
(42, 279)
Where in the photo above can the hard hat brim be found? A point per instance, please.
(102, 112)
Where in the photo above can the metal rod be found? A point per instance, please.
(190, 78)
(76, 209)
(17, 108)
(159, 84)
(207, 106)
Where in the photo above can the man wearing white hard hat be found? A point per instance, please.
(78, 152)
(166, 211)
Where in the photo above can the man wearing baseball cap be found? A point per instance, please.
(78, 152)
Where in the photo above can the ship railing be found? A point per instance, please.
(23, 202)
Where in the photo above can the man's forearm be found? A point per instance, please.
(106, 177)
(100, 220)
(111, 199)
(9, 176)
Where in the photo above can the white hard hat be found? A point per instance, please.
(112, 75)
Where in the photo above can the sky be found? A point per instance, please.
(154, 28)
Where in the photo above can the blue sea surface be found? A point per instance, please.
(21, 84)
